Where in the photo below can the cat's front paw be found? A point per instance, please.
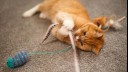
(68, 24)
(27, 14)
(63, 31)
(42, 15)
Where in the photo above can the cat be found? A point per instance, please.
(71, 15)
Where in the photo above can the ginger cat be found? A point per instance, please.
(71, 15)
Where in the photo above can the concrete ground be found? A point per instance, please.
(18, 34)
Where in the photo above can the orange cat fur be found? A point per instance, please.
(71, 15)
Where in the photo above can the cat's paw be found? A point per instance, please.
(42, 15)
(27, 14)
(63, 31)
(68, 24)
(96, 51)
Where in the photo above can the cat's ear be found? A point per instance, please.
(97, 49)
(100, 21)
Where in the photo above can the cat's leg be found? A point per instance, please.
(55, 33)
(67, 23)
(31, 11)
(42, 15)
(60, 37)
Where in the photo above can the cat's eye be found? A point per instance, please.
(84, 33)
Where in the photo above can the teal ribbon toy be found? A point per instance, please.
(22, 57)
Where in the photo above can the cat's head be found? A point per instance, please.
(89, 37)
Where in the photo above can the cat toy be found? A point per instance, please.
(22, 57)
(18, 60)
(113, 24)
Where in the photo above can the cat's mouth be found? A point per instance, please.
(79, 40)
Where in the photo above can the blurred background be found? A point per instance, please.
(17, 34)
